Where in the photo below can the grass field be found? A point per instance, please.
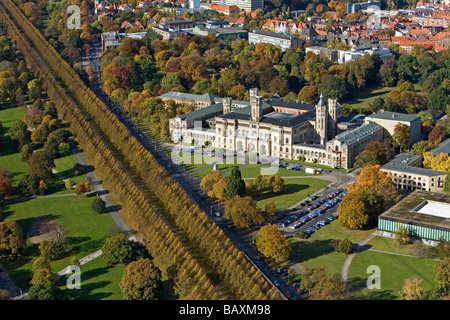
(9, 158)
(317, 250)
(85, 230)
(368, 95)
(294, 191)
(394, 269)
(98, 282)
(252, 170)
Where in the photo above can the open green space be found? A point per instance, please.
(394, 270)
(318, 249)
(315, 253)
(252, 170)
(9, 158)
(85, 230)
(315, 165)
(65, 166)
(98, 282)
(368, 94)
(294, 191)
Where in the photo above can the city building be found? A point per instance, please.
(406, 174)
(114, 39)
(355, 7)
(227, 10)
(389, 120)
(426, 215)
(247, 5)
(283, 41)
(221, 33)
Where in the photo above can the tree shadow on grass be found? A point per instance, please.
(85, 292)
(288, 189)
(304, 250)
(357, 288)
(84, 244)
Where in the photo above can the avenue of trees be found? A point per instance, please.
(115, 153)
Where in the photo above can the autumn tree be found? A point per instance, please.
(402, 236)
(141, 280)
(40, 163)
(442, 277)
(440, 162)
(6, 181)
(12, 240)
(419, 148)
(243, 211)
(436, 135)
(374, 153)
(401, 136)
(270, 208)
(308, 94)
(353, 211)
(82, 187)
(328, 289)
(44, 285)
(412, 289)
(311, 276)
(272, 243)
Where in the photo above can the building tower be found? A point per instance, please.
(226, 105)
(256, 105)
(335, 113)
(321, 124)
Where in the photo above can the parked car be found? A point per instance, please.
(287, 295)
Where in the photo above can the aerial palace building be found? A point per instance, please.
(276, 128)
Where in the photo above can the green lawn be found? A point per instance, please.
(252, 170)
(317, 250)
(314, 165)
(369, 94)
(394, 270)
(9, 158)
(98, 282)
(64, 165)
(294, 191)
(315, 253)
(85, 230)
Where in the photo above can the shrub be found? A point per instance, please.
(344, 246)
(99, 206)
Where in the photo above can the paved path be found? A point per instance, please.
(100, 190)
(82, 261)
(357, 247)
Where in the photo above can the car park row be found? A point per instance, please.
(314, 210)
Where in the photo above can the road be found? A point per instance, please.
(189, 183)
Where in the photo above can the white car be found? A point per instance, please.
(217, 214)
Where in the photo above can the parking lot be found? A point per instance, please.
(312, 214)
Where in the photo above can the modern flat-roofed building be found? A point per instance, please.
(325, 53)
(281, 40)
(426, 215)
(355, 7)
(247, 5)
(389, 120)
(406, 174)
